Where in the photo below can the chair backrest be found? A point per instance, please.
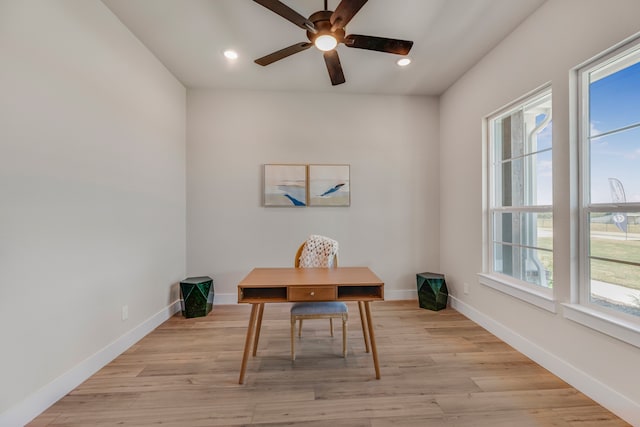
(334, 263)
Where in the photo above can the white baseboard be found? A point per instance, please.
(401, 295)
(617, 403)
(225, 299)
(39, 401)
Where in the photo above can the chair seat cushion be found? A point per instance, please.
(329, 307)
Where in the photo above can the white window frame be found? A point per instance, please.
(520, 289)
(622, 326)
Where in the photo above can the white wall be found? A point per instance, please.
(92, 188)
(559, 36)
(391, 143)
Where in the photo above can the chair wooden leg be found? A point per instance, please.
(293, 340)
(365, 329)
(344, 336)
(299, 318)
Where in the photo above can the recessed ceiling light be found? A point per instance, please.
(403, 62)
(230, 54)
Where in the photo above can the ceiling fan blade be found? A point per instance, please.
(344, 12)
(283, 53)
(332, 60)
(380, 44)
(287, 13)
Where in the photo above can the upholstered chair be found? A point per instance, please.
(318, 251)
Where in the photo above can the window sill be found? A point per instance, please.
(615, 327)
(542, 298)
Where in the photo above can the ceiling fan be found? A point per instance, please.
(326, 29)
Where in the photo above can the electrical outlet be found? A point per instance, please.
(466, 288)
(125, 312)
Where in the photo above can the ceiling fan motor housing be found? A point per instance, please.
(321, 20)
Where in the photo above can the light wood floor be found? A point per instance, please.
(438, 369)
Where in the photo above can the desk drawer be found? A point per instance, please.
(312, 293)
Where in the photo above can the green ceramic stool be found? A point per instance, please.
(195, 293)
(432, 291)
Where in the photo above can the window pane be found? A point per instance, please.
(509, 136)
(615, 286)
(612, 151)
(523, 233)
(613, 100)
(524, 228)
(543, 135)
(521, 161)
(537, 124)
(616, 157)
(542, 179)
(525, 181)
(616, 236)
(530, 265)
(524, 131)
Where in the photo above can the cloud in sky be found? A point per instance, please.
(593, 129)
(545, 168)
(633, 155)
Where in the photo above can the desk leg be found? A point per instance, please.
(247, 341)
(258, 326)
(374, 350)
(363, 321)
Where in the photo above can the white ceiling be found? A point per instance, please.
(449, 36)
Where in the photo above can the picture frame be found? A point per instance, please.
(329, 185)
(285, 185)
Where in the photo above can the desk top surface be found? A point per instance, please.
(344, 276)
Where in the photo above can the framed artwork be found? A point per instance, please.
(329, 185)
(285, 185)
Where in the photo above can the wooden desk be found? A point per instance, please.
(268, 285)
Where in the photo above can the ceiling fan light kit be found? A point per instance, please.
(326, 29)
(325, 42)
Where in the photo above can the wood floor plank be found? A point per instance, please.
(438, 369)
(339, 409)
(519, 382)
(503, 401)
